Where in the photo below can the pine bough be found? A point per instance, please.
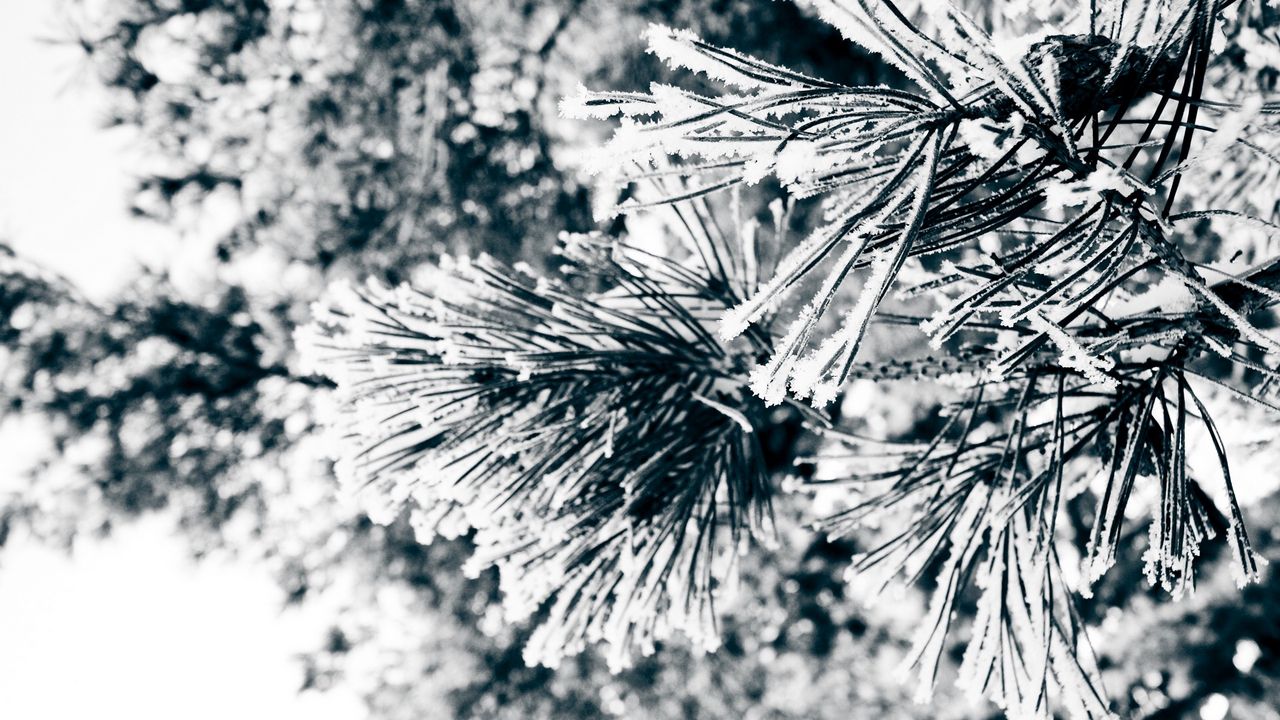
(1058, 186)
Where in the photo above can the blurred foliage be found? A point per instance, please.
(374, 135)
(345, 138)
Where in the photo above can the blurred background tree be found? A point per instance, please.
(338, 139)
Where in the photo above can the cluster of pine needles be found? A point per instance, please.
(1049, 190)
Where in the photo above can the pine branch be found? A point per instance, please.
(557, 425)
(1044, 191)
(1015, 141)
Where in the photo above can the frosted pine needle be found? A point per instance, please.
(557, 425)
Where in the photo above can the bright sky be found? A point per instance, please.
(64, 183)
(129, 627)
